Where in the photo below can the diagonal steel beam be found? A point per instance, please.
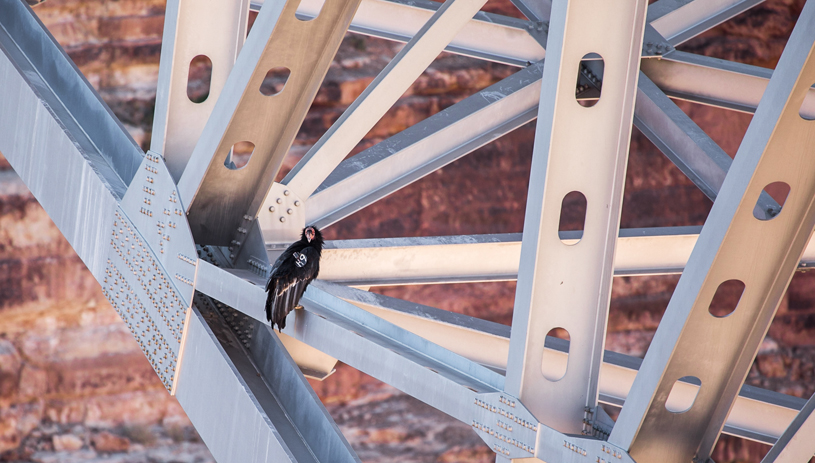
(757, 414)
(244, 393)
(553, 274)
(796, 444)
(54, 130)
(681, 20)
(211, 28)
(685, 144)
(223, 200)
(733, 245)
(425, 147)
(379, 96)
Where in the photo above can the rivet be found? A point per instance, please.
(285, 192)
(279, 201)
(271, 208)
(282, 219)
(297, 202)
(289, 211)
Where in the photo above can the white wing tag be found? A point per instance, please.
(299, 259)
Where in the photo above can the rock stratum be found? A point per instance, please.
(74, 386)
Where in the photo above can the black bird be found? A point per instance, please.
(291, 273)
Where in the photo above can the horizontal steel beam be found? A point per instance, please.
(473, 258)
(714, 82)
(758, 414)
(487, 36)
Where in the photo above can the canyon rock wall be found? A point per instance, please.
(74, 385)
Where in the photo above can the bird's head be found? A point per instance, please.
(310, 233)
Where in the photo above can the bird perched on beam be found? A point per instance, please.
(291, 273)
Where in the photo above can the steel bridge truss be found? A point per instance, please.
(180, 239)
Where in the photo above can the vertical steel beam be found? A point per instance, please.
(568, 285)
(733, 245)
(380, 95)
(215, 29)
(222, 200)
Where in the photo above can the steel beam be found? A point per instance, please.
(473, 258)
(404, 158)
(680, 20)
(685, 144)
(733, 245)
(714, 82)
(554, 274)
(245, 396)
(796, 444)
(212, 28)
(425, 147)
(55, 132)
(223, 200)
(486, 36)
(379, 96)
(757, 414)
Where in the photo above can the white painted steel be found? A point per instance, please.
(714, 82)
(426, 146)
(459, 259)
(222, 199)
(485, 36)
(380, 95)
(733, 244)
(212, 28)
(796, 444)
(83, 162)
(680, 20)
(554, 274)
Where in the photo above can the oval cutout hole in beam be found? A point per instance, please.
(572, 218)
(309, 10)
(589, 86)
(683, 394)
(807, 109)
(555, 361)
(239, 155)
(275, 81)
(726, 298)
(199, 79)
(778, 191)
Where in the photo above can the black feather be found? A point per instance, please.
(291, 274)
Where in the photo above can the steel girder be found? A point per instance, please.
(202, 326)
